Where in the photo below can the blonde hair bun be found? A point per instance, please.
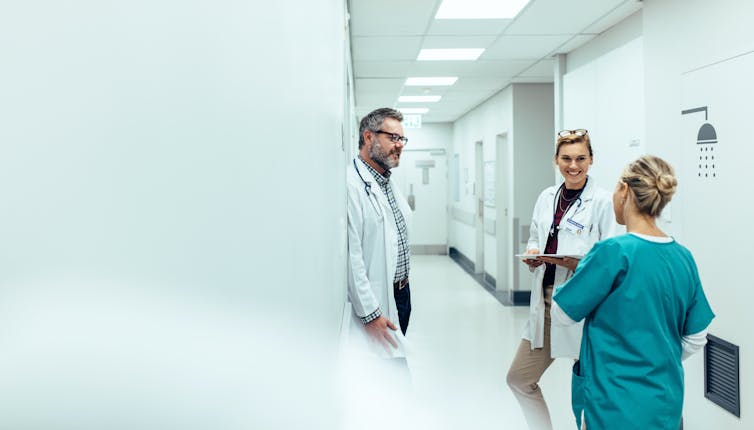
(652, 182)
(666, 184)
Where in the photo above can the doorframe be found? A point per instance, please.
(504, 215)
(479, 205)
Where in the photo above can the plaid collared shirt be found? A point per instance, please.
(401, 270)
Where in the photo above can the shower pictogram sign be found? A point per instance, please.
(706, 141)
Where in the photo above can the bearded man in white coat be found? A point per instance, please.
(378, 263)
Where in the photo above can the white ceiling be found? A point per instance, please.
(386, 37)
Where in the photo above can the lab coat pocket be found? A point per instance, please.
(577, 392)
(577, 235)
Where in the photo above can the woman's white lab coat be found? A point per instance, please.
(373, 256)
(589, 220)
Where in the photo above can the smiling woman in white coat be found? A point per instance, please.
(568, 220)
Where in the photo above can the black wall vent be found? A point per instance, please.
(721, 376)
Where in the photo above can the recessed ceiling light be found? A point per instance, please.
(432, 82)
(413, 110)
(449, 54)
(479, 9)
(418, 99)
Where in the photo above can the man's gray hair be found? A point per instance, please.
(374, 119)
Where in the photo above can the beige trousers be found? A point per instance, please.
(527, 368)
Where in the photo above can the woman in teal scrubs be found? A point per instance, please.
(644, 310)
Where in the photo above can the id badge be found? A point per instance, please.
(573, 226)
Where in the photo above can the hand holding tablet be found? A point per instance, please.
(569, 261)
(534, 256)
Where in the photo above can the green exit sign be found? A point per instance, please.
(412, 121)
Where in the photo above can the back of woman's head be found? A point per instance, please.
(653, 183)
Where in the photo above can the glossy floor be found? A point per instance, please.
(462, 341)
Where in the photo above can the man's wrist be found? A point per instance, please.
(371, 317)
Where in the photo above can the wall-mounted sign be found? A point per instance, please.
(425, 165)
(412, 121)
(705, 142)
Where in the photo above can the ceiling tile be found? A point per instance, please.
(467, 27)
(532, 80)
(391, 17)
(574, 43)
(542, 68)
(381, 69)
(560, 17)
(438, 119)
(454, 42)
(478, 83)
(464, 69)
(523, 47)
(391, 48)
(375, 100)
(423, 91)
(378, 84)
(469, 96)
(617, 15)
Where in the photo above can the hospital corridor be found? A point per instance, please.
(376, 214)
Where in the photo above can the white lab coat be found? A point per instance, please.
(595, 214)
(372, 258)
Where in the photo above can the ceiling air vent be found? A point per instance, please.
(721, 380)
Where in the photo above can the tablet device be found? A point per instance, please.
(534, 256)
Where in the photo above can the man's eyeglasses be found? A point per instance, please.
(395, 138)
(580, 132)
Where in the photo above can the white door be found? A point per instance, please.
(422, 177)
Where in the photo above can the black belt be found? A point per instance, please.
(400, 284)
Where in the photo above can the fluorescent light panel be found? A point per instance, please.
(450, 54)
(413, 110)
(480, 9)
(431, 82)
(418, 99)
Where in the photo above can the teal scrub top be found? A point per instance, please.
(639, 298)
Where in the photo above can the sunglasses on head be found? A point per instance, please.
(580, 132)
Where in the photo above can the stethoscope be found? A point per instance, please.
(555, 202)
(368, 189)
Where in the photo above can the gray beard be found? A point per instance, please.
(381, 158)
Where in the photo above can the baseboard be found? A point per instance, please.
(489, 281)
(462, 260)
(521, 298)
(518, 298)
(429, 249)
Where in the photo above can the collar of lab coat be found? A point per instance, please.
(375, 188)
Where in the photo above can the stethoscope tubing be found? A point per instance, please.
(367, 189)
(578, 202)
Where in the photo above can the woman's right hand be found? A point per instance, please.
(532, 263)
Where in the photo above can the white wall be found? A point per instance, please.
(604, 93)
(173, 223)
(699, 53)
(523, 113)
(430, 136)
(482, 123)
(533, 148)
